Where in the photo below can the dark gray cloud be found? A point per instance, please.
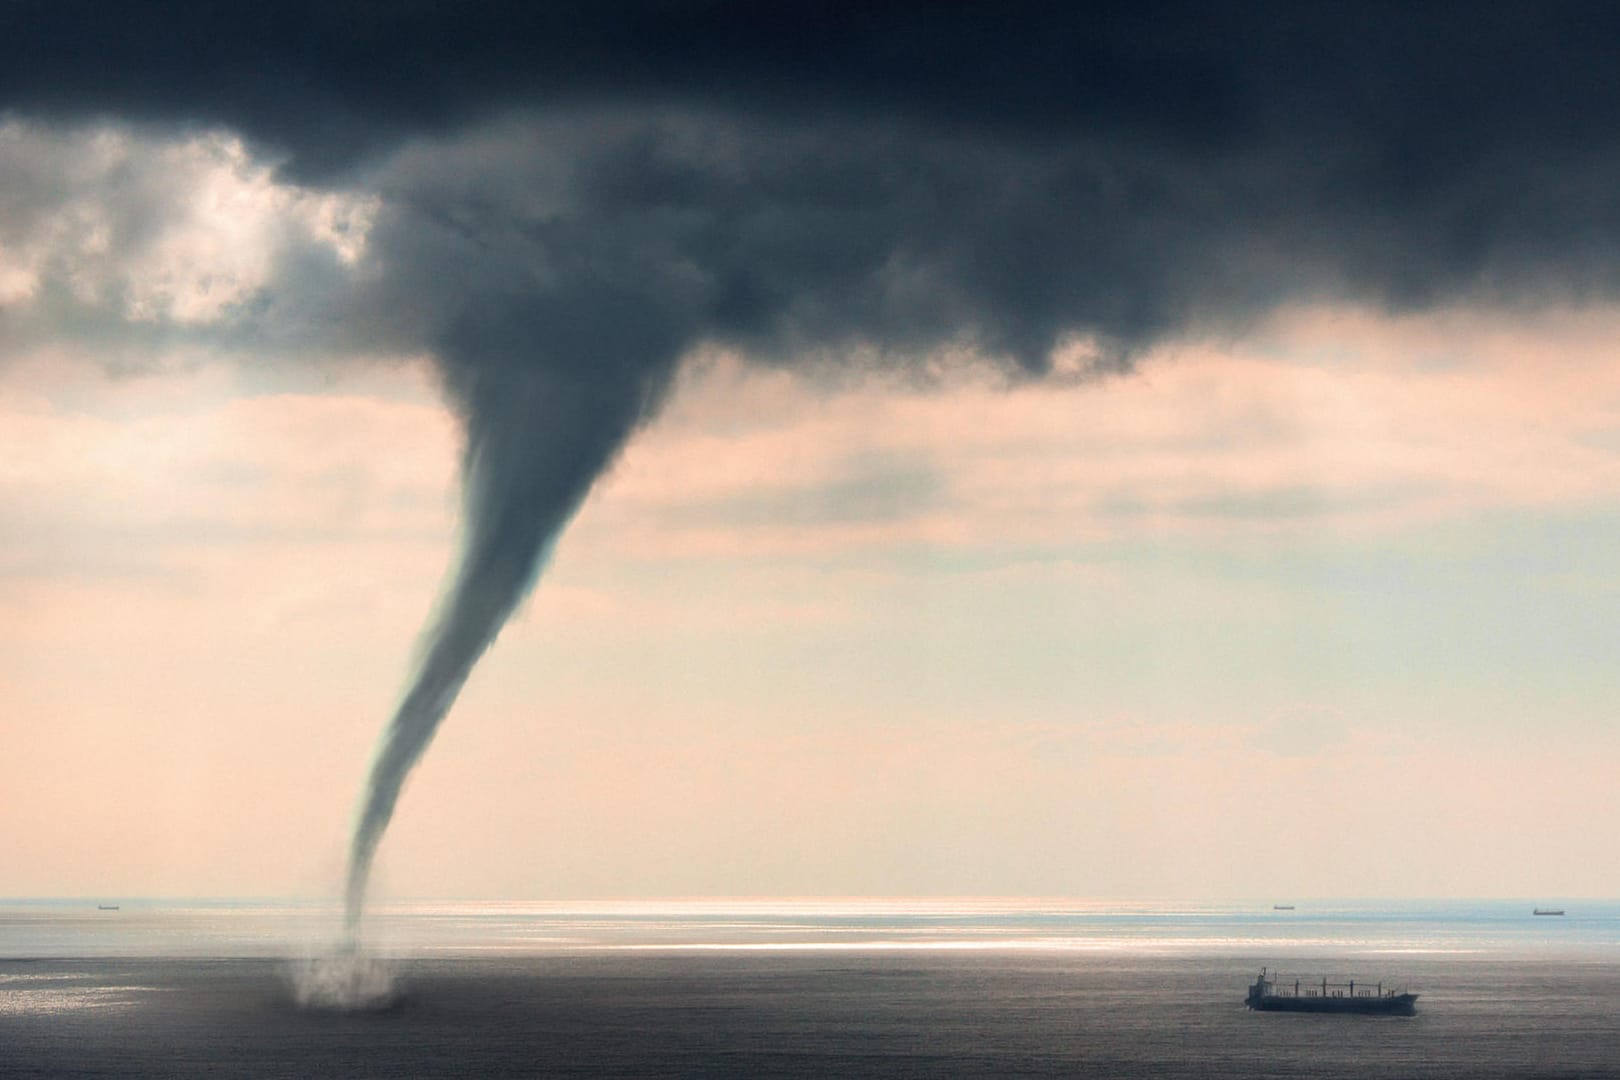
(799, 177)
(1422, 86)
(328, 81)
(573, 197)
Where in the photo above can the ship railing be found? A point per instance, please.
(1313, 986)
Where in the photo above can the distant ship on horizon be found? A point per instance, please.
(106, 907)
(1282, 907)
(1548, 911)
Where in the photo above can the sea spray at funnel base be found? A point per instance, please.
(536, 440)
(345, 980)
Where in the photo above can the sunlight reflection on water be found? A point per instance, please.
(37, 995)
(291, 929)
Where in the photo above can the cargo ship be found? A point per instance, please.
(1548, 911)
(1320, 995)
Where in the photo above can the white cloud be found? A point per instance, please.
(179, 229)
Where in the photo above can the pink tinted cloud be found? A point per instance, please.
(215, 468)
(1328, 421)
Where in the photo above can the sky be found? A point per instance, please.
(1150, 451)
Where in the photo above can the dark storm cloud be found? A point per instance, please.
(898, 173)
(330, 79)
(573, 197)
(327, 80)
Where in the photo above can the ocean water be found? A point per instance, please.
(783, 988)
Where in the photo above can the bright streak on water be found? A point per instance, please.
(180, 928)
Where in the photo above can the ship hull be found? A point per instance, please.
(1396, 1005)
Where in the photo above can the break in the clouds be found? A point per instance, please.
(559, 203)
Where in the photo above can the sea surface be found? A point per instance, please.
(799, 988)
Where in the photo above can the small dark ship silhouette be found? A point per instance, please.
(1547, 911)
(1323, 996)
(1282, 907)
(106, 907)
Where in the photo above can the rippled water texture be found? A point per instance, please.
(812, 989)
